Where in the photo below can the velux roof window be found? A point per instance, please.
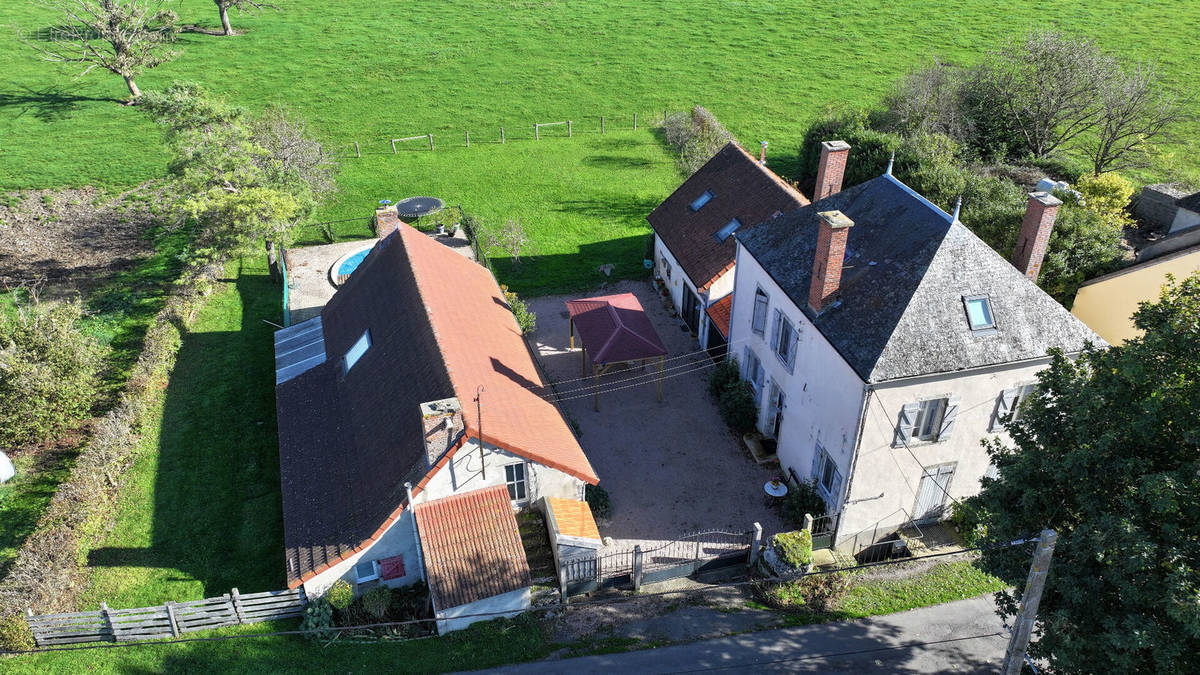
(979, 312)
(356, 352)
(730, 227)
(700, 201)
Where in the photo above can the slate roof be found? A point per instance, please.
(615, 328)
(720, 312)
(472, 547)
(742, 188)
(908, 267)
(1190, 202)
(439, 328)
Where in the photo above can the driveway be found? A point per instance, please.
(670, 468)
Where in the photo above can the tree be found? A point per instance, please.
(510, 238)
(1107, 452)
(124, 37)
(223, 7)
(1135, 110)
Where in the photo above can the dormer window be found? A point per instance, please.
(979, 312)
(356, 352)
(730, 227)
(701, 200)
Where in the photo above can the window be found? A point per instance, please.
(759, 323)
(514, 477)
(775, 412)
(729, 228)
(927, 420)
(783, 340)
(666, 266)
(1008, 406)
(754, 373)
(356, 352)
(700, 201)
(366, 570)
(1022, 393)
(829, 479)
(979, 312)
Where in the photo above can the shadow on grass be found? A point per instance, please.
(216, 515)
(580, 271)
(48, 104)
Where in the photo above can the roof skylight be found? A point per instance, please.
(979, 312)
(356, 352)
(700, 201)
(730, 227)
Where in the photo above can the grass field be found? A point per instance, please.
(369, 71)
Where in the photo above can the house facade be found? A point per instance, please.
(884, 340)
(694, 251)
(412, 386)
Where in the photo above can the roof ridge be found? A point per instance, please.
(921, 198)
(771, 174)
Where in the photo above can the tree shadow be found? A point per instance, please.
(49, 104)
(619, 162)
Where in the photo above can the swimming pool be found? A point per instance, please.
(350, 264)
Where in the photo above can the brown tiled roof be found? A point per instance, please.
(615, 328)
(719, 313)
(742, 188)
(439, 328)
(472, 547)
(574, 518)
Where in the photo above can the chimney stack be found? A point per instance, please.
(762, 153)
(831, 169)
(386, 220)
(827, 263)
(1040, 211)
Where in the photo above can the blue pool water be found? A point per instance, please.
(350, 264)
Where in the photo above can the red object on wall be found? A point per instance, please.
(391, 568)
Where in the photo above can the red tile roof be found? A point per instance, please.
(472, 547)
(574, 518)
(719, 312)
(742, 188)
(615, 328)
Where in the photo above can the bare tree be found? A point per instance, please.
(929, 100)
(1048, 85)
(1135, 110)
(124, 37)
(223, 7)
(510, 238)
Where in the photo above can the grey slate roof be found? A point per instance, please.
(1190, 202)
(900, 311)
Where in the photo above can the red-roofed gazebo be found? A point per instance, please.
(614, 329)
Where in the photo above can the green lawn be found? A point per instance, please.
(369, 71)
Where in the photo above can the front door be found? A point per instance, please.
(691, 311)
(933, 493)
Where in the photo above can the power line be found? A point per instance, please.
(651, 375)
(673, 358)
(638, 384)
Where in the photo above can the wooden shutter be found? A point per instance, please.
(775, 331)
(835, 492)
(791, 359)
(1004, 408)
(816, 467)
(948, 418)
(904, 427)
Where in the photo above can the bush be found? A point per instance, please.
(696, 136)
(15, 635)
(318, 616)
(802, 499)
(410, 602)
(48, 371)
(725, 374)
(738, 407)
(822, 592)
(526, 319)
(1083, 245)
(794, 548)
(339, 595)
(1107, 195)
(376, 601)
(965, 518)
(598, 501)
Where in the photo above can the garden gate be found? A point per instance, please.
(633, 565)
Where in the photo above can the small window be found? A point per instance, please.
(754, 373)
(366, 570)
(759, 323)
(1022, 393)
(825, 471)
(514, 477)
(979, 312)
(785, 339)
(928, 424)
(701, 200)
(666, 266)
(356, 352)
(730, 227)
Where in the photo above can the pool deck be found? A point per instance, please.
(309, 286)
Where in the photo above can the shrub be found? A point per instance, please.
(738, 407)
(318, 616)
(48, 371)
(794, 548)
(802, 499)
(526, 319)
(339, 595)
(965, 518)
(696, 135)
(1107, 195)
(376, 601)
(598, 501)
(15, 635)
(725, 374)
(823, 591)
(1083, 245)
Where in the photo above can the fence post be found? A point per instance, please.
(170, 605)
(357, 152)
(430, 142)
(537, 136)
(108, 620)
(568, 128)
(635, 121)
(237, 605)
(637, 567)
(468, 138)
(602, 124)
(755, 544)
(393, 146)
(808, 522)
(501, 134)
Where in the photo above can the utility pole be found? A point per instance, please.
(1022, 628)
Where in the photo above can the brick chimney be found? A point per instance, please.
(386, 220)
(827, 263)
(1040, 211)
(831, 169)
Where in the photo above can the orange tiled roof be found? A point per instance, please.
(719, 312)
(472, 547)
(574, 518)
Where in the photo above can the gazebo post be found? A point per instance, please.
(596, 381)
(571, 330)
(583, 361)
(661, 364)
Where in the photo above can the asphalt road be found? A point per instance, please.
(964, 636)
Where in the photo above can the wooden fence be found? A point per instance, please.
(169, 620)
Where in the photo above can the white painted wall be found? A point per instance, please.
(398, 539)
(509, 604)
(679, 283)
(823, 395)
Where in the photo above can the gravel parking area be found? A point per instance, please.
(670, 468)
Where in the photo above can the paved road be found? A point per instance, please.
(964, 636)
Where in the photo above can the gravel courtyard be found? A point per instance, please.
(670, 468)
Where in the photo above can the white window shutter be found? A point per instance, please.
(1004, 408)
(775, 330)
(948, 418)
(816, 467)
(904, 427)
(836, 492)
(791, 360)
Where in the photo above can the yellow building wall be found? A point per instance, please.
(1107, 304)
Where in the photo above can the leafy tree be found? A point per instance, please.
(124, 37)
(223, 6)
(1108, 454)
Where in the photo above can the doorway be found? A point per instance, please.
(691, 311)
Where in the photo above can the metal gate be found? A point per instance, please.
(823, 529)
(679, 558)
